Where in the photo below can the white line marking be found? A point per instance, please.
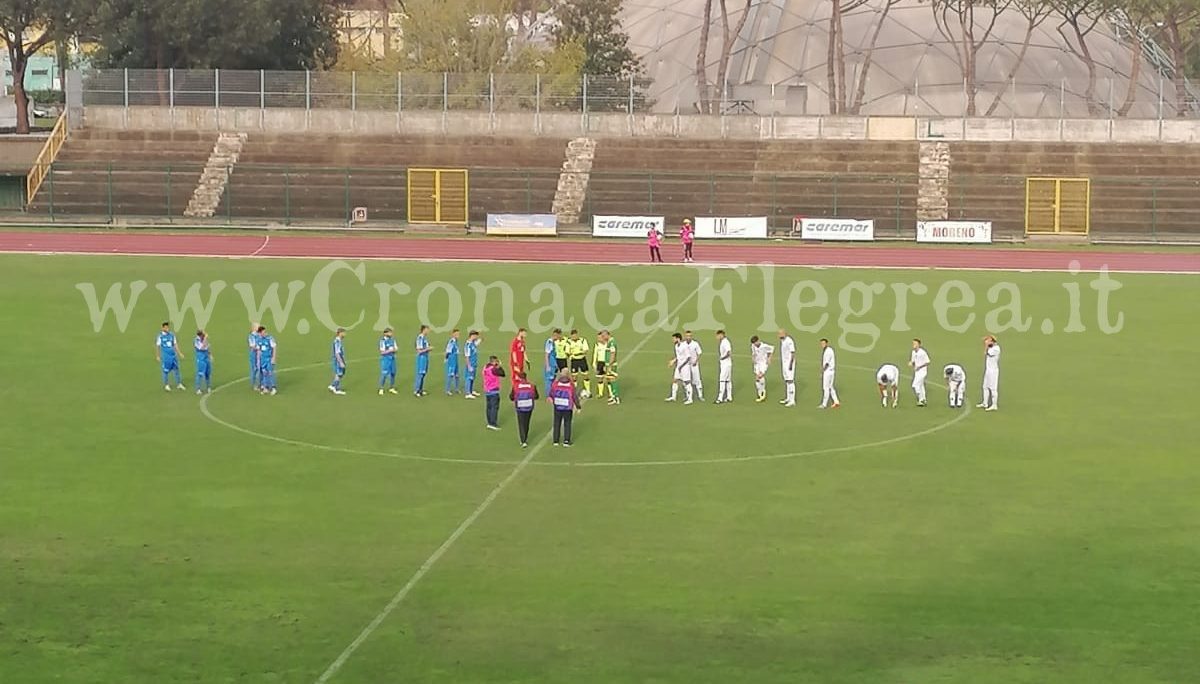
(428, 260)
(463, 527)
(266, 241)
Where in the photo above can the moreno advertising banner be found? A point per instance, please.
(626, 226)
(837, 229)
(969, 232)
(731, 227)
(522, 224)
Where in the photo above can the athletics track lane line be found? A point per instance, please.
(631, 252)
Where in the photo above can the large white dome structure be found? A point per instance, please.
(779, 62)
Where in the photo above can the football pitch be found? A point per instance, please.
(148, 536)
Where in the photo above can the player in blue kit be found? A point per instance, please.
(338, 362)
(550, 363)
(471, 354)
(266, 362)
(203, 363)
(252, 340)
(166, 351)
(451, 361)
(423, 349)
(387, 362)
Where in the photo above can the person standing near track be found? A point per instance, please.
(566, 403)
(654, 239)
(687, 235)
(524, 396)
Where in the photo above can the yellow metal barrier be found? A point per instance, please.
(41, 165)
(438, 196)
(1058, 206)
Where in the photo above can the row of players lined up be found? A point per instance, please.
(569, 355)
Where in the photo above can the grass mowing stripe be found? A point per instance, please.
(458, 532)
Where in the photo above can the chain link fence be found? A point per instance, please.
(365, 91)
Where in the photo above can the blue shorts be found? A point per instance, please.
(451, 370)
(170, 364)
(267, 368)
(422, 368)
(338, 370)
(387, 367)
(203, 367)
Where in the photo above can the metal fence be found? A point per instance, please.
(1154, 98)
(1145, 207)
(365, 91)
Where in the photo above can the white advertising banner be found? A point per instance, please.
(837, 229)
(971, 232)
(626, 226)
(522, 224)
(731, 227)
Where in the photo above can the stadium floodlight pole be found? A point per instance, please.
(217, 91)
(262, 89)
(171, 85)
(353, 91)
(631, 94)
(491, 93)
(445, 93)
(537, 94)
(399, 93)
(126, 99)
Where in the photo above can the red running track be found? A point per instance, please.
(558, 251)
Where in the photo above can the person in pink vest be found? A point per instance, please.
(524, 396)
(492, 373)
(654, 239)
(566, 403)
(687, 235)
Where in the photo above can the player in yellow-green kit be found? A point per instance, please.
(605, 358)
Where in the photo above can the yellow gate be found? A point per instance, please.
(1058, 206)
(437, 196)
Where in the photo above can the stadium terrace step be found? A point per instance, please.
(211, 187)
(573, 180)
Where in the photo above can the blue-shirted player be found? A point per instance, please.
(338, 362)
(252, 340)
(550, 363)
(423, 350)
(267, 357)
(203, 363)
(166, 351)
(451, 361)
(387, 362)
(471, 355)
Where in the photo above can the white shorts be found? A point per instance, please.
(827, 379)
(991, 380)
(683, 373)
(760, 370)
(789, 375)
(919, 377)
(726, 372)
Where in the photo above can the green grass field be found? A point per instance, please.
(142, 540)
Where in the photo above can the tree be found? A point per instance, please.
(216, 34)
(729, 36)
(835, 53)
(1179, 27)
(860, 91)
(27, 26)
(615, 74)
(1035, 13)
(1079, 19)
(1138, 17)
(967, 25)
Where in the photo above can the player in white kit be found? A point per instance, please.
(725, 366)
(828, 368)
(760, 356)
(696, 352)
(787, 359)
(887, 378)
(956, 383)
(919, 362)
(681, 364)
(991, 374)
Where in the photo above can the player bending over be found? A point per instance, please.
(760, 356)
(956, 383)
(887, 379)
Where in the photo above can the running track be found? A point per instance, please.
(551, 251)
